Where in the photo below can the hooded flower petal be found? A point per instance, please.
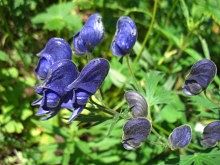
(200, 76)
(91, 76)
(87, 83)
(211, 134)
(56, 49)
(180, 137)
(136, 131)
(137, 103)
(125, 36)
(90, 35)
(60, 75)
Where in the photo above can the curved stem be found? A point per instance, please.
(148, 32)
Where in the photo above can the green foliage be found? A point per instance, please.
(58, 17)
(183, 32)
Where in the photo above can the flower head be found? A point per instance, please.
(56, 49)
(61, 74)
(125, 36)
(200, 76)
(136, 130)
(211, 134)
(64, 87)
(90, 35)
(180, 137)
(137, 103)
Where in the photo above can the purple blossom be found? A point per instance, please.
(211, 134)
(56, 49)
(180, 137)
(125, 36)
(90, 35)
(64, 87)
(136, 130)
(200, 76)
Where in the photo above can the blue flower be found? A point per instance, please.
(136, 130)
(66, 88)
(211, 134)
(60, 75)
(201, 75)
(90, 35)
(180, 137)
(87, 83)
(137, 104)
(125, 36)
(56, 49)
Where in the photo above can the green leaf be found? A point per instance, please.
(170, 114)
(58, 17)
(3, 56)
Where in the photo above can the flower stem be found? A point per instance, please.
(148, 32)
(132, 73)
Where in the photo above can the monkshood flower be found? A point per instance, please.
(61, 74)
(180, 137)
(136, 130)
(200, 76)
(211, 134)
(125, 36)
(90, 35)
(137, 104)
(66, 88)
(87, 83)
(56, 49)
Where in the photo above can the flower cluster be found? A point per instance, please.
(63, 85)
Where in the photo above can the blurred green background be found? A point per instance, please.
(172, 35)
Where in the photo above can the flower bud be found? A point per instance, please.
(211, 134)
(180, 137)
(137, 103)
(200, 76)
(90, 35)
(125, 36)
(136, 130)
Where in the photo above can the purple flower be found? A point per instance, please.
(56, 49)
(137, 103)
(180, 137)
(211, 134)
(60, 75)
(125, 36)
(136, 130)
(90, 35)
(200, 76)
(64, 87)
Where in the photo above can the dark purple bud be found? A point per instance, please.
(137, 103)
(201, 75)
(136, 130)
(125, 36)
(90, 35)
(211, 134)
(56, 49)
(180, 137)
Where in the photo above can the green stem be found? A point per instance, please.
(148, 32)
(132, 73)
